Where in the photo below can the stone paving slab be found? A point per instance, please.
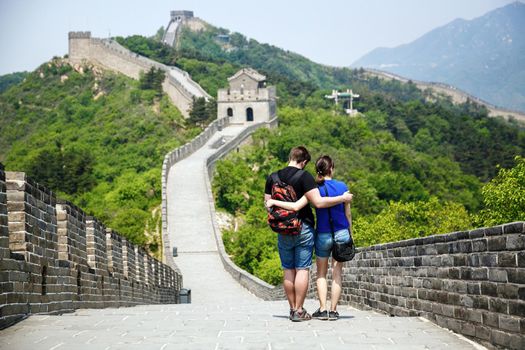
(223, 315)
(260, 325)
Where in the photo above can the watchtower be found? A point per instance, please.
(79, 46)
(176, 18)
(247, 99)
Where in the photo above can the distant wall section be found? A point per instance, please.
(456, 95)
(110, 55)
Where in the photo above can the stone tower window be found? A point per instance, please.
(249, 114)
(229, 112)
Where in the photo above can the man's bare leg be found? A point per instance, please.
(302, 277)
(289, 288)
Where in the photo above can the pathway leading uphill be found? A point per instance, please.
(223, 315)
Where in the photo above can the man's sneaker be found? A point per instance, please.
(333, 315)
(291, 313)
(301, 316)
(320, 315)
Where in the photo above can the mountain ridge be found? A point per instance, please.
(484, 56)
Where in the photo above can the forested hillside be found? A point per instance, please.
(8, 80)
(417, 165)
(96, 138)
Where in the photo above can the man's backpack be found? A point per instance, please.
(281, 220)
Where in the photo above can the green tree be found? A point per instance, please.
(69, 170)
(8, 80)
(504, 196)
(401, 221)
(152, 80)
(159, 34)
(203, 111)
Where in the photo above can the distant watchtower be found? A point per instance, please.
(176, 19)
(248, 99)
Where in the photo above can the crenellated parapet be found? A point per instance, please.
(79, 35)
(54, 258)
(71, 230)
(114, 250)
(4, 230)
(472, 282)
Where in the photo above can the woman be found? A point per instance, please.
(341, 220)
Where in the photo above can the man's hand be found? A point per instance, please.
(269, 203)
(347, 197)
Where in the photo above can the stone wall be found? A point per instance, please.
(4, 231)
(255, 285)
(252, 283)
(470, 282)
(457, 95)
(169, 160)
(110, 55)
(54, 258)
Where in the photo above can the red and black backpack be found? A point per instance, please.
(281, 220)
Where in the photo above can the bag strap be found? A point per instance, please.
(275, 177)
(296, 177)
(293, 179)
(329, 213)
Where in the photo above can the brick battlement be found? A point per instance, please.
(471, 282)
(79, 35)
(54, 258)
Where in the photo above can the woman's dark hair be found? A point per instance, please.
(323, 167)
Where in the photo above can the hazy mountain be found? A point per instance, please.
(484, 56)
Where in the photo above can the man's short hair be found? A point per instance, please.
(299, 155)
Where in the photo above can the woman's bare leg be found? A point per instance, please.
(322, 286)
(337, 269)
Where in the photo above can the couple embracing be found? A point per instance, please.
(332, 202)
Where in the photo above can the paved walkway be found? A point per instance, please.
(223, 315)
(190, 230)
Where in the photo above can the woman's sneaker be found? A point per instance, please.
(291, 313)
(320, 315)
(301, 316)
(333, 315)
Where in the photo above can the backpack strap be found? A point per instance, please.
(329, 214)
(275, 177)
(296, 176)
(293, 179)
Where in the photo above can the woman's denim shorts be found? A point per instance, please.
(323, 242)
(296, 251)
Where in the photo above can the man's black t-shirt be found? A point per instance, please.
(304, 184)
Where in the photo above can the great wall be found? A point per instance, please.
(56, 259)
(444, 90)
(107, 53)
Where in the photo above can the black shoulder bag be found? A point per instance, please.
(340, 251)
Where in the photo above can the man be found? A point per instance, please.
(295, 251)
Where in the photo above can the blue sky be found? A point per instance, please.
(333, 32)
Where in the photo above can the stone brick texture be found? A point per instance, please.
(55, 259)
(71, 229)
(4, 230)
(471, 282)
(96, 245)
(114, 251)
